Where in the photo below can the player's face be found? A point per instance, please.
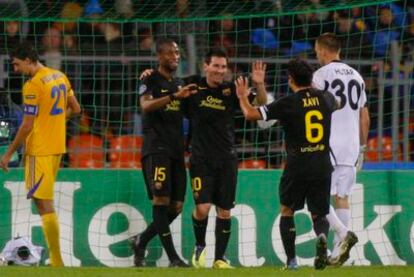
(21, 66)
(290, 82)
(319, 53)
(216, 70)
(169, 57)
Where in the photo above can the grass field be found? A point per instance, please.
(370, 271)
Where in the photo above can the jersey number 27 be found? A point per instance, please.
(56, 93)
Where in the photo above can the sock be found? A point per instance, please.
(222, 232)
(288, 234)
(160, 217)
(150, 232)
(344, 215)
(200, 228)
(51, 231)
(336, 224)
(321, 225)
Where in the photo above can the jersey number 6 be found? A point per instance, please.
(313, 129)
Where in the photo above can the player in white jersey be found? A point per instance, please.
(349, 133)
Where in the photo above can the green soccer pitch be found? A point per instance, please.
(353, 271)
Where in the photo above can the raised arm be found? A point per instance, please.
(258, 78)
(242, 89)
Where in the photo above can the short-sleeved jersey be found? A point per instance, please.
(45, 96)
(211, 112)
(347, 85)
(162, 129)
(306, 120)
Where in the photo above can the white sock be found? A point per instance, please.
(344, 215)
(336, 224)
(336, 238)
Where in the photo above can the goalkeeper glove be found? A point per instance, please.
(360, 161)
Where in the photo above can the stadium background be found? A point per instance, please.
(104, 45)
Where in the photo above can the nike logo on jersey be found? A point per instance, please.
(201, 88)
(166, 234)
(164, 90)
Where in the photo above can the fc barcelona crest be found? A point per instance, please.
(226, 92)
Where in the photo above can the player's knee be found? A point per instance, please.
(201, 211)
(161, 201)
(286, 211)
(44, 206)
(339, 198)
(176, 207)
(341, 202)
(319, 218)
(222, 213)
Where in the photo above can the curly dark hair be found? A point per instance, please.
(163, 42)
(301, 72)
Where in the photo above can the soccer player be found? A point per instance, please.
(48, 101)
(213, 153)
(163, 150)
(349, 133)
(306, 119)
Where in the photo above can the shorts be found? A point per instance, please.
(164, 176)
(293, 192)
(343, 180)
(40, 175)
(214, 181)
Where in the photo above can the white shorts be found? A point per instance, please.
(343, 179)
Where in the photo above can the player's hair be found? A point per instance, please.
(24, 50)
(301, 72)
(216, 52)
(329, 41)
(162, 42)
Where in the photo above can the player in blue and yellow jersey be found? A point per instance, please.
(48, 101)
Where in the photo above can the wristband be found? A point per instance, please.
(172, 97)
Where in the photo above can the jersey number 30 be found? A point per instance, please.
(313, 127)
(339, 85)
(56, 93)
